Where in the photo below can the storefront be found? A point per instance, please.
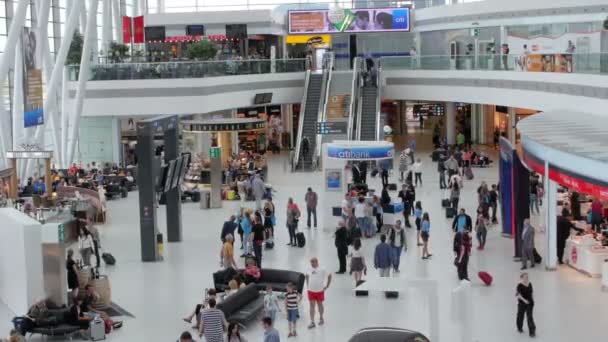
(574, 179)
(301, 46)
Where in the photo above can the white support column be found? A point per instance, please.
(18, 106)
(512, 122)
(141, 7)
(83, 76)
(14, 33)
(64, 118)
(117, 15)
(116, 141)
(83, 17)
(550, 221)
(450, 125)
(106, 28)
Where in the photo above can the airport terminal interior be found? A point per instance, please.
(306, 170)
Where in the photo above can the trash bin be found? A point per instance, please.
(205, 199)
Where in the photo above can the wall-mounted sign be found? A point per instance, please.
(314, 40)
(227, 126)
(338, 20)
(332, 127)
(336, 151)
(429, 109)
(333, 180)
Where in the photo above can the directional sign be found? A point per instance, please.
(332, 127)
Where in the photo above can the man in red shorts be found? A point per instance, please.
(316, 283)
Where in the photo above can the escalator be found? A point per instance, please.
(368, 114)
(307, 130)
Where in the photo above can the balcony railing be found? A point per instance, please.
(200, 69)
(593, 63)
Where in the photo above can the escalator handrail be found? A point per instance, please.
(378, 102)
(296, 156)
(327, 74)
(354, 93)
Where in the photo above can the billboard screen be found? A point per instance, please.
(349, 20)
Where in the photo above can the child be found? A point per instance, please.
(292, 298)
(418, 215)
(271, 304)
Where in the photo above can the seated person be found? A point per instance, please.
(86, 306)
(199, 307)
(252, 271)
(39, 314)
(233, 288)
(185, 337)
(39, 187)
(129, 177)
(79, 318)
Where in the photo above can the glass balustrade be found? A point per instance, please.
(172, 70)
(592, 63)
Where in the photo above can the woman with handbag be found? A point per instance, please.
(85, 245)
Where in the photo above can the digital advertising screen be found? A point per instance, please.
(338, 20)
(177, 172)
(168, 179)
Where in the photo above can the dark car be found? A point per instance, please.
(388, 335)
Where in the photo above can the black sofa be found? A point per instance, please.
(278, 279)
(60, 327)
(242, 306)
(387, 335)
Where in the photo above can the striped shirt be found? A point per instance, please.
(213, 324)
(291, 300)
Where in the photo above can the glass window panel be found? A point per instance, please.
(62, 15)
(2, 9)
(63, 3)
(2, 42)
(2, 26)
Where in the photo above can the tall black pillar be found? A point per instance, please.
(174, 203)
(147, 171)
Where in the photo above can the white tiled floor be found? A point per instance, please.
(570, 306)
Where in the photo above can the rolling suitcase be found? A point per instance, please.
(97, 329)
(537, 258)
(392, 187)
(485, 277)
(445, 203)
(196, 197)
(450, 212)
(301, 239)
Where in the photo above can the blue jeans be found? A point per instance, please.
(396, 256)
(246, 243)
(362, 223)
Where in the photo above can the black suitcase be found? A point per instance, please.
(445, 203)
(269, 245)
(361, 293)
(301, 239)
(196, 196)
(374, 172)
(108, 259)
(392, 187)
(450, 212)
(391, 294)
(537, 258)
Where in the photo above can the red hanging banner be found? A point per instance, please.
(126, 29)
(138, 29)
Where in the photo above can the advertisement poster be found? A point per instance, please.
(32, 81)
(333, 180)
(337, 108)
(337, 20)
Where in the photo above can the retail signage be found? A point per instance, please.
(568, 178)
(338, 106)
(332, 127)
(138, 30)
(338, 20)
(195, 38)
(360, 152)
(314, 39)
(226, 127)
(126, 30)
(33, 114)
(333, 180)
(29, 154)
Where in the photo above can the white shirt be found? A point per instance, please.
(86, 242)
(357, 254)
(398, 237)
(316, 279)
(417, 167)
(360, 210)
